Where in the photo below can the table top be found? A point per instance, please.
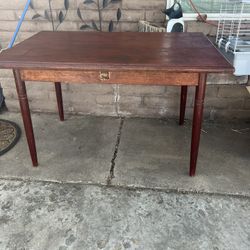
(175, 52)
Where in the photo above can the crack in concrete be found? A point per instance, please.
(131, 188)
(117, 144)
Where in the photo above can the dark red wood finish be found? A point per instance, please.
(25, 110)
(183, 102)
(118, 51)
(106, 55)
(59, 99)
(197, 121)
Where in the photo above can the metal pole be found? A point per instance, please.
(19, 24)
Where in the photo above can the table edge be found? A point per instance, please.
(118, 67)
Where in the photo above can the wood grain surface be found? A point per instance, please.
(174, 52)
(115, 77)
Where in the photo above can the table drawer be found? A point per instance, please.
(112, 77)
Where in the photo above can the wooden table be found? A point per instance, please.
(180, 59)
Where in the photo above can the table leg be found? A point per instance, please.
(183, 104)
(197, 122)
(58, 89)
(25, 110)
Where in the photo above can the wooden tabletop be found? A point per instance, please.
(179, 52)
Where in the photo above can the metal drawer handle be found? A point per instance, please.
(104, 75)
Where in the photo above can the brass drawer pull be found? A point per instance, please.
(104, 75)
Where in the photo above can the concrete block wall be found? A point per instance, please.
(226, 96)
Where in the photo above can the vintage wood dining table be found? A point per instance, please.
(179, 59)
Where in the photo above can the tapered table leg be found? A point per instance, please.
(59, 99)
(25, 110)
(183, 104)
(197, 122)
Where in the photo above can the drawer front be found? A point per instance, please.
(112, 77)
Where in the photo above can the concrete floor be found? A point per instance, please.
(110, 183)
(40, 215)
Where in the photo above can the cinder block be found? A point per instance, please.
(160, 101)
(7, 26)
(224, 103)
(80, 4)
(35, 26)
(83, 99)
(89, 108)
(87, 15)
(8, 82)
(109, 14)
(25, 35)
(46, 106)
(100, 89)
(133, 101)
(39, 86)
(233, 91)
(13, 4)
(7, 15)
(105, 99)
(125, 110)
(112, 5)
(6, 73)
(67, 26)
(129, 26)
(212, 91)
(12, 105)
(10, 93)
(226, 79)
(105, 26)
(165, 101)
(30, 14)
(55, 4)
(35, 92)
(155, 15)
(173, 91)
(140, 90)
(146, 4)
(132, 15)
(105, 110)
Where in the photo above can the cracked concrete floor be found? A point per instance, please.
(40, 215)
(162, 211)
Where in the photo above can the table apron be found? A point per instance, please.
(112, 77)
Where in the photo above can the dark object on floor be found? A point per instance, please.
(2, 100)
(9, 135)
